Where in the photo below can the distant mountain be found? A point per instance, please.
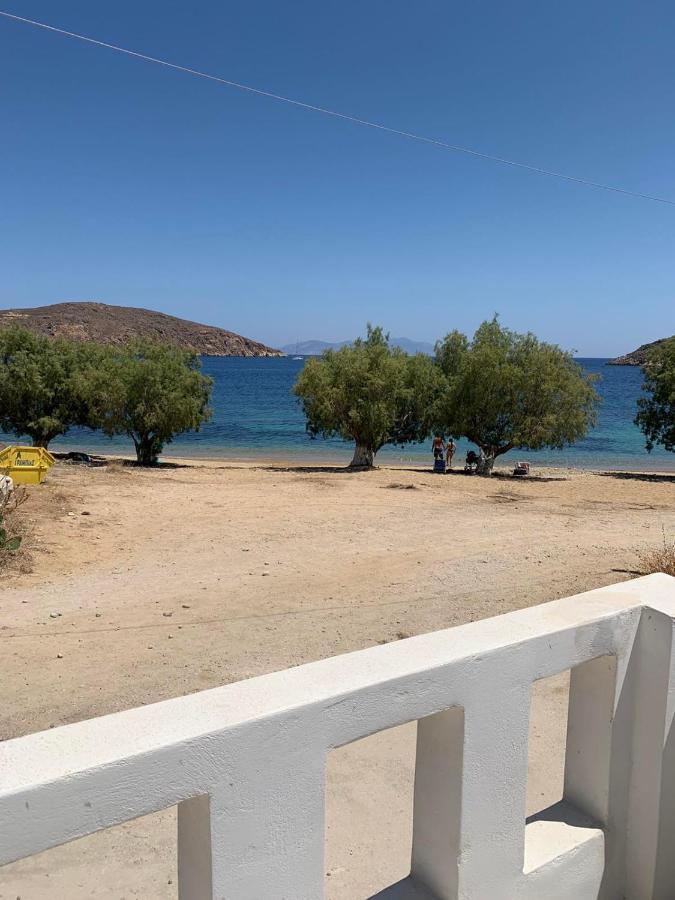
(89, 321)
(310, 348)
(316, 348)
(637, 357)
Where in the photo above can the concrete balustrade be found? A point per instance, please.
(246, 763)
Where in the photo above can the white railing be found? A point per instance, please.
(246, 763)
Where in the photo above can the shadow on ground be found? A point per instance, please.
(656, 477)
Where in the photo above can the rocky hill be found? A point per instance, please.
(89, 321)
(637, 357)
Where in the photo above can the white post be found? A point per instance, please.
(259, 835)
(438, 801)
(589, 737)
(650, 825)
(470, 783)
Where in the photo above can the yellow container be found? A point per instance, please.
(26, 465)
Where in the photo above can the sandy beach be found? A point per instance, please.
(149, 584)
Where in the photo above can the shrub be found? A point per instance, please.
(11, 528)
(658, 559)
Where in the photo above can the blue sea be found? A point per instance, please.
(256, 416)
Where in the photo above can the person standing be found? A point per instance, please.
(450, 452)
(438, 446)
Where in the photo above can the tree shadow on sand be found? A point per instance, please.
(657, 477)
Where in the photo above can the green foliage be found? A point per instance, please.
(10, 541)
(7, 543)
(370, 393)
(656, 412)
(39, 386)
(148, 391)
(506, 390)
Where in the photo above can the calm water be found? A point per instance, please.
(255, 415)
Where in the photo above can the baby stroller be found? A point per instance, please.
(471, 464)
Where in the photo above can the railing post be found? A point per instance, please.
(438, 801)
(650, 820)
(589, 736)
(470, 784)
(259, 834)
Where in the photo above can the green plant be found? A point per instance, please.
(370, 393)
(658, 559)
(40, 388)
(656, 410)
(506, 390)
(10, 531)
(148, 391)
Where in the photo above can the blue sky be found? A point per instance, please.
(132, 184)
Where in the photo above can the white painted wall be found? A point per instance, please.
(246, 763)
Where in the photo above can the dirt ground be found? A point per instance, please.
(146, 585)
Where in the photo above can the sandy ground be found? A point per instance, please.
(170, 581)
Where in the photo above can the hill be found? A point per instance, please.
(316, 348)
(637, 357)
(90, 321)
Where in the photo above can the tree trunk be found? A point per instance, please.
(488, 455)
(363, 457)
(147, 450)
(485, 464)
(41, 440)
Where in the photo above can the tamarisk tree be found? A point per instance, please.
(150, 392)
(370, 393)
(656, 410)
(40, 390)
(506, 390)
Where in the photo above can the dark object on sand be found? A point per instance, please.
(80, 458)
(471, 463)
(439, 466)
(522, 468)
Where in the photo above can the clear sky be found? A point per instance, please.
(128, 183)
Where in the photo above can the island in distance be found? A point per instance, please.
(637, 357)
(316, 348)
(107, 324)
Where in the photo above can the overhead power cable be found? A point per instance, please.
(442, 145)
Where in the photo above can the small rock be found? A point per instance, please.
(264, 574)
(150, 647)
(185, 605)
(85, 512)
(59, 655)
(167, 614)
(54, 615)
(170, 636)
(98, 615)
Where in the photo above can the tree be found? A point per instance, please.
(507, 390)
(656, 412)
(150, 392)
(39, 385)
(370, 393)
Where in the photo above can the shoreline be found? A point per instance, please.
(320, 461)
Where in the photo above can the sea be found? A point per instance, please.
(255, 416)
